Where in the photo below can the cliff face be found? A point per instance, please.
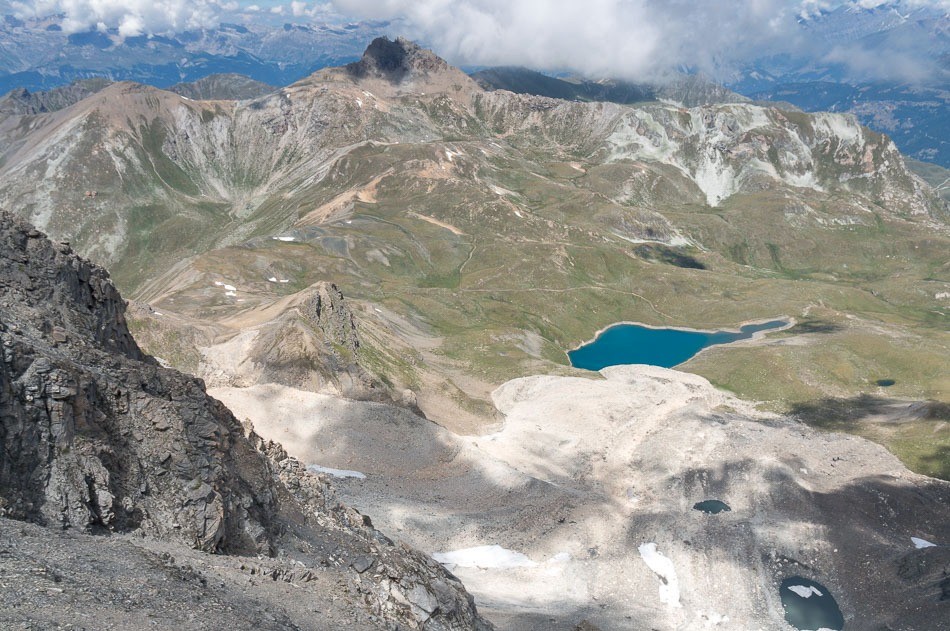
(97, 437)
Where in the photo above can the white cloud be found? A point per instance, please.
(131, 26)
(627, 38)
(131, 17)
(633, 39)
(298, 8)
(278, 10)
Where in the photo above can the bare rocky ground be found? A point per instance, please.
(64, 580)
(585, 471)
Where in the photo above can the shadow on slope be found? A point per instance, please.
(923, 442)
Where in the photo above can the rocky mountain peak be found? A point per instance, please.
(396, 61)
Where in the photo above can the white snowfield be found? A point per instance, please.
(662, 567)
(484, 557)
(336, 473)
(285, 239)
(922, 543)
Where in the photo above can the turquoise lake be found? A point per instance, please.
(636, 344)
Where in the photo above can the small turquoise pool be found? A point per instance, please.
(711, 507)
(638, 344)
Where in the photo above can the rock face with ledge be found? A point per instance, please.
(97, 437)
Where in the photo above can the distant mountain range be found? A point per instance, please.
(38, 55)
(906, 95)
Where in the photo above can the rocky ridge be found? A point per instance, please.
(98, 438)
(22, 102)
(223, 87)
(215, 173)
(314, 344)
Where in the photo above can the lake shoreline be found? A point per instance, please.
(788, 322)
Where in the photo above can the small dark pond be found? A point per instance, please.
(637, 344)
(711, 507)
(885, 383)
(809, 606)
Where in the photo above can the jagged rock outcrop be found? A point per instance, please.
(98, 437)
(315, 347)
(326, 310)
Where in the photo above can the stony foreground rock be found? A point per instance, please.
(98, 438)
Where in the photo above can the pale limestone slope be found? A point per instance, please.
(584, 471)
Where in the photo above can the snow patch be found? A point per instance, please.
(662, 567)
(336, 473)
(674, 242)
(922, 543)
(484, 557)
(943, 295)
(284, 238)
(272, 279)
(359, 103)
(805, 592)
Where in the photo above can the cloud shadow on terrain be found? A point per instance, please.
(849, 413)
(814, 325)
(874, 416)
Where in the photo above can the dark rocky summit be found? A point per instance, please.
(98, 438)
(395, 60)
